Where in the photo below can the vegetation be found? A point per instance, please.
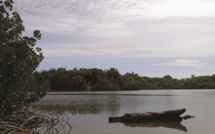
(18, 59)
(107, 80)
(30, 121)
(202, 82)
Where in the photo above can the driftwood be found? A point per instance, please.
(172, 115)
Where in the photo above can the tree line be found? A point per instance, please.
(95, 79)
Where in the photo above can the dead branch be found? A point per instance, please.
(28, 120)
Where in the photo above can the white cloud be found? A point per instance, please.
(180, 8)
(108, 30)
(77, 53)
(70, 14)
(66, 53)
(184, 63)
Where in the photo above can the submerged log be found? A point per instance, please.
(171, 115)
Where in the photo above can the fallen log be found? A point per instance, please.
(171, 115)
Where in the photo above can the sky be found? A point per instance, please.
(152, 38)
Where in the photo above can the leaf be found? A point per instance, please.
(8, 4)
(37, 34)
(38, 49)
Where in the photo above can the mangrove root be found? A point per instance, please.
(28, 121)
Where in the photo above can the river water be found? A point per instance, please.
(88, 112)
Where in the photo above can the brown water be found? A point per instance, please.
(89, 111)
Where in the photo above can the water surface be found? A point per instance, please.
(89, 111)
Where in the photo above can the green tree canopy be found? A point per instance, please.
(18, 59)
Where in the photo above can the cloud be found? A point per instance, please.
(180, 31)
(180, 8)
(69, 15)
(108, 31)
(78, 53)
(184, 63)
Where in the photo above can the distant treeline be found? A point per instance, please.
(106, 80)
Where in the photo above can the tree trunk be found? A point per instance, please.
(172, 115)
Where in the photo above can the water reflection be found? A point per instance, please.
(79, 104)
(172, 125)
(62, 109)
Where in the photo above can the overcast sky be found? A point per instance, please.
(149, 37)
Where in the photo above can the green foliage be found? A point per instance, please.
(201, 82)
(18, 59)
(109, 80)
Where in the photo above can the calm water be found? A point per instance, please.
(89, 111)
